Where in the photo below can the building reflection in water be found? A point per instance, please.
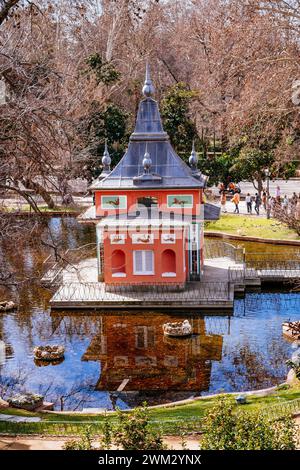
(158, 368)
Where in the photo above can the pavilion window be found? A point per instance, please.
(143, 262)
(147, 201)
(144, 337)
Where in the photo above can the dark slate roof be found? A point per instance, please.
(148, 122)
(168, 170)
(211, 212)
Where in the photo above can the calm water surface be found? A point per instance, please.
(232, 353)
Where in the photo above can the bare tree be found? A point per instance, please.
(6, 8)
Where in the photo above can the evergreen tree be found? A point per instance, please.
(175, 113)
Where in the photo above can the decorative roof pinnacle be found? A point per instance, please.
(148, 88)
(193, 160)
(106, 160)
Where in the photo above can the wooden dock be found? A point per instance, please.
(79, 289)
(222, 278)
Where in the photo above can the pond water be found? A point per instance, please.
(242, 351)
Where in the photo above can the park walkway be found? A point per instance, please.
(46, 443)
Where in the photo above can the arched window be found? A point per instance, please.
(118, 263)
(168, 263)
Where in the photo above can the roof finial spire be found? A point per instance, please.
(193, 160)
(106, 160)
(148, 88)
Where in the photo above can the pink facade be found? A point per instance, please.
(134, 196)
(145, 256)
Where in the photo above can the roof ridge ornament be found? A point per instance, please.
(148, 88)
(147, 162)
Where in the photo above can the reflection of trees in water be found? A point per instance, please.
(81, 325)
(23, 254)
(73, 397)
(274, 303)
(40, 326)
(69, 233)
(23, 250)
(14, 382)
(277, 354)
(64, 396)
(252, 368)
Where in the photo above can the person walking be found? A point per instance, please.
(257, 203)
(248, 200)
(294, 200)
(278, 194)
(223, 201)
(285, 202)
(264, 200)
(236, 201)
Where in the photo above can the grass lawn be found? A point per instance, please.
(171, 420)
(251, 226)
(27, 208)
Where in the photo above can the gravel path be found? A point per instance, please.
(39, 443)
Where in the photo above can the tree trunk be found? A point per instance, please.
(26, 196)
(40, 190)
(259, 185)
(66, 194)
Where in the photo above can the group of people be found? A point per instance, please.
(251, 201)
(289, 205)
(254, 203)
(257, 201)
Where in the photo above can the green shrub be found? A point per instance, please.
(227, 429)
(133, 432)
(283, 387)
(83, 443)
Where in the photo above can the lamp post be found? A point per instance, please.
(267, 173)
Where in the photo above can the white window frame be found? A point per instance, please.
(142, 273)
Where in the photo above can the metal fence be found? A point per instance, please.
(280, 410)
(53, 266)
(281, 255)
(236, 273)
(265, 268)
(74, 428)
(52, 428)
(170, 426)
(93, 291)
(220, 249)
(275, 266)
